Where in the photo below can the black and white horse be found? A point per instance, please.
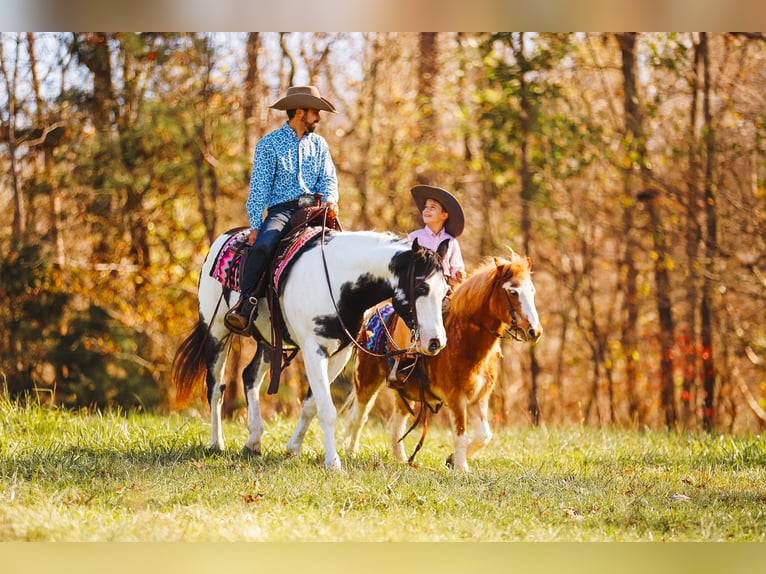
(331, 284)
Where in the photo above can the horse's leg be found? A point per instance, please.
(459, 459)
(369, 373)
(320, 371)
(482, 434)
(217, 352)
(307, 414)
(397, 427)
(252, 377)
(309, 407)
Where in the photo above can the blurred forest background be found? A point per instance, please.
(630, 167)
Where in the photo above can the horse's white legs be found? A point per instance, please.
(459, 456)
(308, 412)
(358, 417)
(215, 376)
(398, 426)
(482, 434)
(252, 394)
(321, 371)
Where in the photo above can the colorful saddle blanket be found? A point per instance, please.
(227, 266)
(377, 341)
(287, 257)
(227, 269)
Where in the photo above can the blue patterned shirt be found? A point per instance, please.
(284, 168)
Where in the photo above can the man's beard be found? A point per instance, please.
(309, 127)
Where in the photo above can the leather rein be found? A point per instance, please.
(512, 331)
(412, 287)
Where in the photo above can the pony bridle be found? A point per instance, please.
(513, 330)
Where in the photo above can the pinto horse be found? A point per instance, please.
(494, 302)
(332, 282)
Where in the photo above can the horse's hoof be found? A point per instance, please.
(449, 462)
(249, 452)
(214, 449)
(332, 464)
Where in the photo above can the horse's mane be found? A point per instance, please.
(472, 293)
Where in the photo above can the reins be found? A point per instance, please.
(513, 331)
(337, 311)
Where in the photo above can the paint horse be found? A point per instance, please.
(496, 301)
(335, 278)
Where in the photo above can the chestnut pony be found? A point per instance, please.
(496, 301)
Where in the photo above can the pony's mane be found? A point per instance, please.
(472, 292)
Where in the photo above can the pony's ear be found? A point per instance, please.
(529, 262)
(442, 249)
(416, 245)
(497, 260)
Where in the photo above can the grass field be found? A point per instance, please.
(115, 477)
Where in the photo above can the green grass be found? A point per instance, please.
(117, 477)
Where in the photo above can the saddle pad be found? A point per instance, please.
(286, 259)
(377, 342)
(226, 269)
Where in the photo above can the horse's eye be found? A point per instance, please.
(514, 292)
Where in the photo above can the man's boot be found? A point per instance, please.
(239, 318)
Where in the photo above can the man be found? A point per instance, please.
(289, 162)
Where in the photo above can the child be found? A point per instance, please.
(443, 218)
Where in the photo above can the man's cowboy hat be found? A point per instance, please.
(455, 222)
(303, 97)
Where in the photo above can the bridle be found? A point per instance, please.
(413, 283)
(512, 331)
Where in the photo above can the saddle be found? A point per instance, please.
(306, 223)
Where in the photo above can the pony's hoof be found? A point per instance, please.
(214, 449)
(449, 462)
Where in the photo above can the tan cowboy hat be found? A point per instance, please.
(303, 97)
(455, 221)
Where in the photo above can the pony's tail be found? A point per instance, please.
(189, 366)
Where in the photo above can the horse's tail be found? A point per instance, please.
(189, 365)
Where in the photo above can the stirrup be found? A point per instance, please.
(242, 323)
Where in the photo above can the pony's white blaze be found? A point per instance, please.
(525, 291)
(433, 336)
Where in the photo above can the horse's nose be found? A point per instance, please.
(434, 345)
(535, 334)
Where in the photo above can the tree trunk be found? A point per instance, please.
(427, 72)
(661, 257)
(252, 90)
(527, 196)
(629, 276)
(688, 338)
(711, 242)
(19, 224)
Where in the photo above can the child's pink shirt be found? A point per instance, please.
(453, 260)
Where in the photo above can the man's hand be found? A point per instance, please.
(252, 236)
(333, 206)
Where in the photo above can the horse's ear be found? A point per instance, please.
(415, 245)
(529, 262)
(442, 249)
(497, 260)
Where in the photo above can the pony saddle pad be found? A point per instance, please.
(374, 333)
(228, 266)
